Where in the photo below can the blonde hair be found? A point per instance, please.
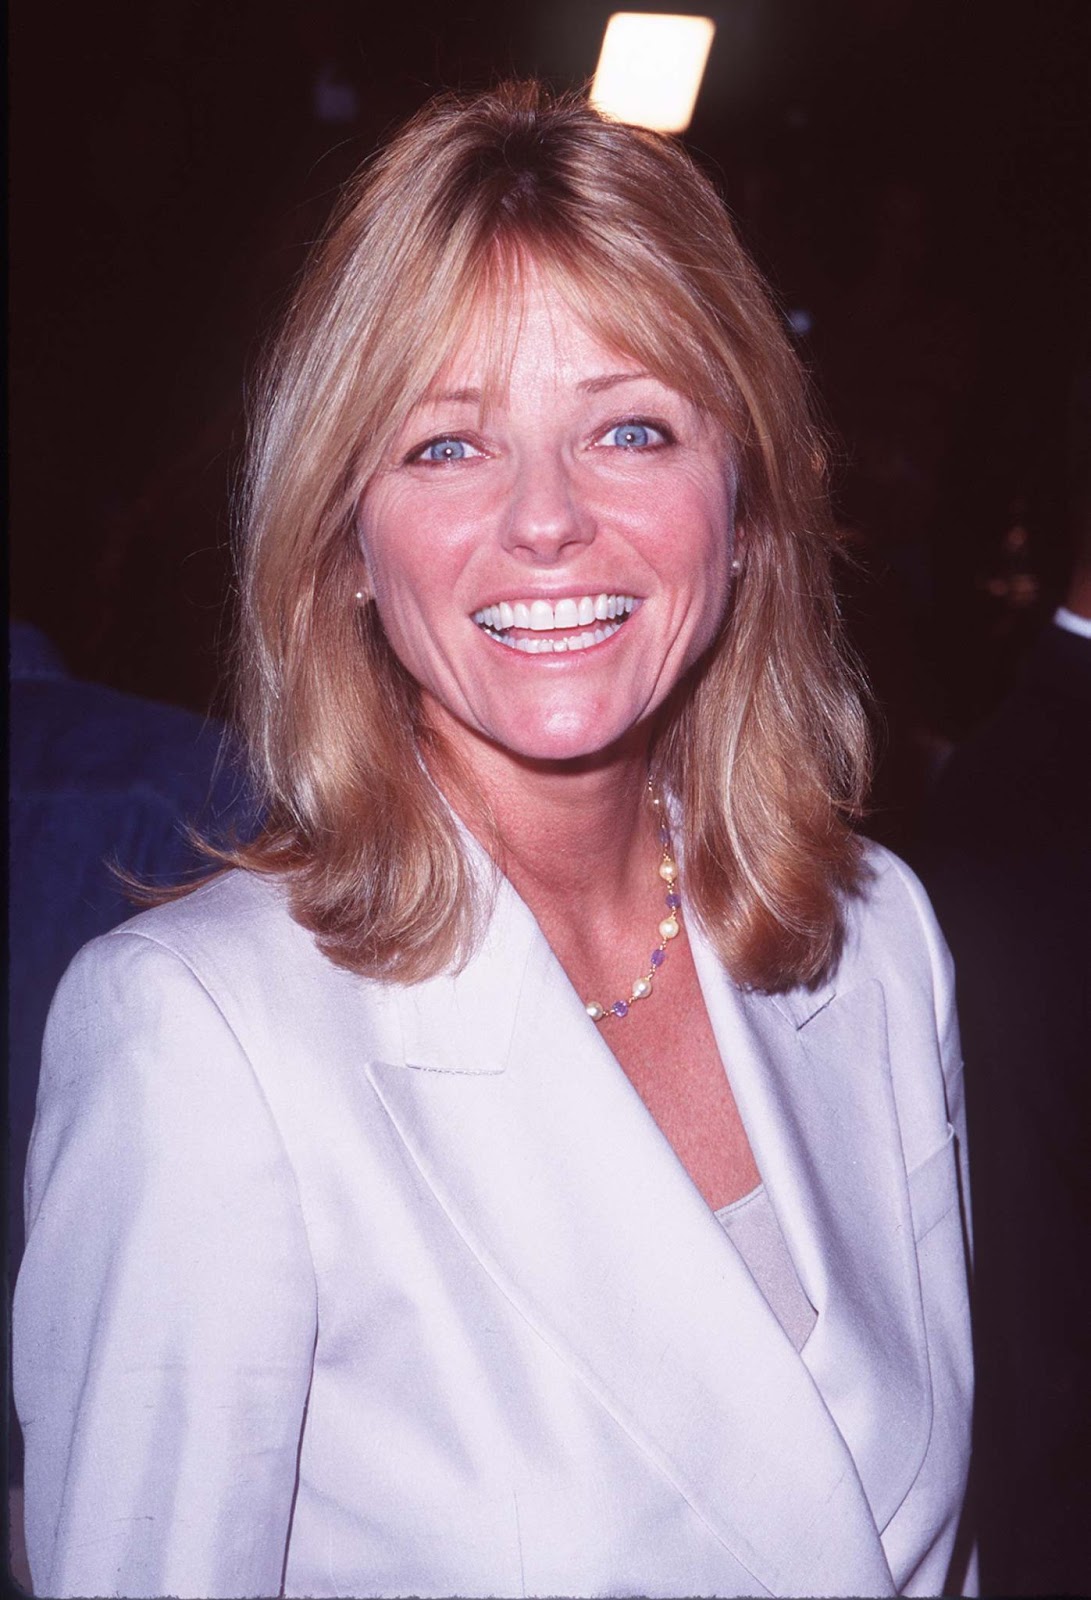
(764, 746)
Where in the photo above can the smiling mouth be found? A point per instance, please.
(539, 627)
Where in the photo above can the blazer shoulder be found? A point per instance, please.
(235, 919)
(892, 921)
(892, 936)
(237, 938)
(227, 903)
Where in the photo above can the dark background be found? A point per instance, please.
(912, 176)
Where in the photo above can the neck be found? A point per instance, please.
(579, 833)
(581, 844)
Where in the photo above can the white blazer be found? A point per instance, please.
(359, 1289)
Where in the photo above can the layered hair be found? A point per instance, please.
(763, 746)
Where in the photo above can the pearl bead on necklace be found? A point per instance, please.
(669, 929)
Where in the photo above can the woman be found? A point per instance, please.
(425, 1206)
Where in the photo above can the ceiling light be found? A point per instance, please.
(651, 67)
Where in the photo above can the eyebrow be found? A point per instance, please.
(609, 380)
(447, 397)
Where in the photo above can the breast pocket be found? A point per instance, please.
(933, 1187)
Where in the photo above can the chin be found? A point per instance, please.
(540, 727)
(570, 739)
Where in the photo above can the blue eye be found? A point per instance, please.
(633, 436)
(445, 450)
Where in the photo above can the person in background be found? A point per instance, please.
(1005, 853)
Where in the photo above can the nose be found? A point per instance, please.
(547, 519)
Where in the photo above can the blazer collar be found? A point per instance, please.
(469, 1021)
(514, 1106)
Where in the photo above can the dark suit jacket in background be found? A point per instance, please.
(1006, 859)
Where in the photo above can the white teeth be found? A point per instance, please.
(539, 617)
(542, 617)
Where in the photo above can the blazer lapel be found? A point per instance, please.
(515, 1110)
(811, 1077)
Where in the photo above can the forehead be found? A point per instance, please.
(530, 327)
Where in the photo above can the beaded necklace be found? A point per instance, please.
(669, 928)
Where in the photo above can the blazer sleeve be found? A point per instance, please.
(947, 1031)
(962, 1576)
(165, 1314)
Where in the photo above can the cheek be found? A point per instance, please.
(697, 549)
(702, 575)
(414, 546)
(396, 558)
(414, 560)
